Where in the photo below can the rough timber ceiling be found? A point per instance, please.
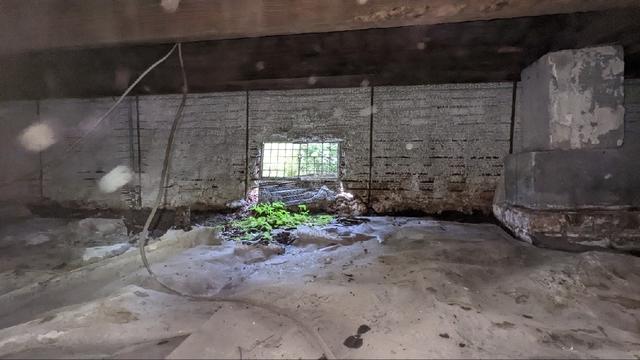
(474, 51)
(44, 24)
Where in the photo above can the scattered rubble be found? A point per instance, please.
(97, 253)
(38, 239)
(96, 232)
(236, 204)
(252, 254)
(283, 236)
(319, 198)
(310, 235)
(351, 220)
(345, 204)
(199, 235)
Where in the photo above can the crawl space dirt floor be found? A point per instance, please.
(389, 287)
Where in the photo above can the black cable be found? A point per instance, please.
(145, 230)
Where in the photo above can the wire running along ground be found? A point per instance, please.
(143, 236)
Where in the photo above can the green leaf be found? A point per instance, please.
(269, 216)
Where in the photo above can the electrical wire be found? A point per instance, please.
(126, 92)
(100, 119)
(144, 235)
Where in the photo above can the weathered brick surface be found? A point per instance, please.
(209, 158)
(19, 169)
(86, 150)
(435, 148)
(314, 115)
(439, 147)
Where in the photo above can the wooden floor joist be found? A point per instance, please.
(477, 51)
(27, 25)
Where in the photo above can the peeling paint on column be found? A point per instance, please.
(573, 99)
(586, 92)
(459, 135)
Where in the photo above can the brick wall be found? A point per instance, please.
(439, 147)
(632, 114)
(315, 115)
(435, 147)
(19, 169)
(208, 166)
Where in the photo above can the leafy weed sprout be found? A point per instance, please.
(269, 216)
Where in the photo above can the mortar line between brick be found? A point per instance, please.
(370, 149)
(132, 150)
(246, 147)
(139, 153)
(40, 168)
(513, 115)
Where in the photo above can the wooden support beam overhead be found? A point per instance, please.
(475, 51)
(27, 25)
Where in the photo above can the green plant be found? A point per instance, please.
(269, 216)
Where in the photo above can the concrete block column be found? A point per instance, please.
(573, 183)
(574, 99)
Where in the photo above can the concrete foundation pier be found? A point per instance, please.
(573, 183)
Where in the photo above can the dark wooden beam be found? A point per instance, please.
(477, 51)
(27, 25)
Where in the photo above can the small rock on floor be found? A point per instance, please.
(98, 253)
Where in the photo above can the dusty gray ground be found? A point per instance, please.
(422, 288)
